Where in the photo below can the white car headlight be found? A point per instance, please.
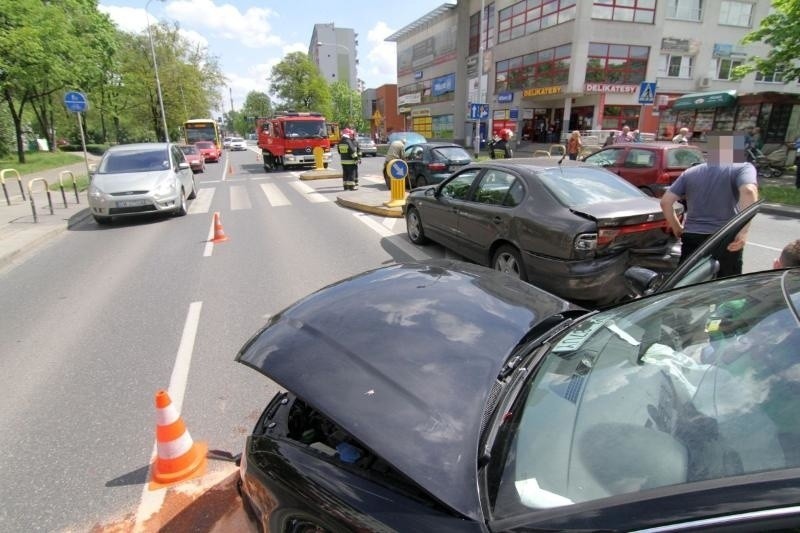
(94, 191)
(165, 187)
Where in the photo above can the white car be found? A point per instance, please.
(226, 143)
(237, 143)
(139, 179)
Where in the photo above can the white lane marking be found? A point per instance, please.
(389, 222)
(209, 248)
(225, 168)
(239, 198)
(231, 180)
(209, 181)
(398, 240)
(309, 192)
(371, 179)
(152, 500)
(202, 203)
(295, 174)
(751, 243)
(274, 195)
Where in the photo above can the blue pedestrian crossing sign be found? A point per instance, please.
(76, 101)
(647, 92)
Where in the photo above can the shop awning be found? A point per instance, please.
(705, 100)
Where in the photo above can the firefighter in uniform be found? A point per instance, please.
(348, 153)
(501, 150)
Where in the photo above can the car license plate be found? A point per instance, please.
(131, 203)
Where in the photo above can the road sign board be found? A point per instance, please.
(478, 111)
(398, 169)
(76, 102)
(647, 92)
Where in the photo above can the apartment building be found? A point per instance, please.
(546, 67)
(333, 51)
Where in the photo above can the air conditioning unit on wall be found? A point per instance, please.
(704, 82)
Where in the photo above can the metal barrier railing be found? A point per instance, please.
(3, 181)
(74, 186)
(30, 193)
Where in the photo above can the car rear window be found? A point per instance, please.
(130, 161)
(683, 158)
(574, 186)
(453, 153)
(189, 149)
(204, 145)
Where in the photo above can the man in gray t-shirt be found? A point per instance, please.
(714, 193)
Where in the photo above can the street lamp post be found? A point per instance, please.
(350, 91)
(155, 67)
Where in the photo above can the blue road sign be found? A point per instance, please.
(647, 92)
(478, 111)
(399, 169)
(76, 102)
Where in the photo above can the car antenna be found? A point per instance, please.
(560, 168)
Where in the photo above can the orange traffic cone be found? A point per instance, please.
(219, 233)
(178, 458)
(230, 168)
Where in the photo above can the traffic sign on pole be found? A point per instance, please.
(76, 102)
(647, 92)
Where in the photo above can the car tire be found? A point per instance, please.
(193, 194)
(507, 259)
(182, 208)
(420, 181)
(103, 221)
(414, 229)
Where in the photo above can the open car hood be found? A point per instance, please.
(404, 359)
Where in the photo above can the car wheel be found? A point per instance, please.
(193, 194)
(103, 221)
(507, 259)
(420, 181)
(414, 227)
(182, 208)
(777, 172)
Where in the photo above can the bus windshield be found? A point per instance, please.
(202, 130)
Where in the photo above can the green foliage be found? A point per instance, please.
(780, 30)
(299, 85)
(346, 105)
(779, 195)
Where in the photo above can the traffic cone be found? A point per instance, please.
(219, 233)
(178, 457)
(230, 168)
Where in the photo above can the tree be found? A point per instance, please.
(346, 104)
(257, 104)
(781, 30)
(300, 86)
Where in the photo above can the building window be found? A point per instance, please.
(544, 68)
(616, 63)
(617, 116)
(675, 66)
(770, 77)
(474, 33)
(685, 9)
(733, 13)
(643, 11)
(725, 67)
(530, 16)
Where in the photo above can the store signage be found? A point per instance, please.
(729, 50)
(443, 85)
(406, 99)
(421, 112)
(505, 97)
(513, 114)
(610, 88)
(542, 91)
(418, 75)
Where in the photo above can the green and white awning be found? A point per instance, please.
(705, 100)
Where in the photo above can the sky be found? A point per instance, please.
(249, 37)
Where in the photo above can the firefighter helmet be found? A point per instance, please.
(506, 134)
(347, 133)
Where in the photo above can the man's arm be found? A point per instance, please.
(748, 195)
(668, 208)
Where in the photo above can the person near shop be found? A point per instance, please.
(682, 137)
(636, 136)
(610, 139)
(396, 150)
(574, 145)
(624, 136)
(501, 149)
(492, 143)
(714, 193)
(348, 154)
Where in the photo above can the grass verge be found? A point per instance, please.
(38, 161)
(780, 195)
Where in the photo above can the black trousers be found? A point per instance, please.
(730, 263)
(350, 172)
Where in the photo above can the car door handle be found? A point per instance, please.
(497, 220)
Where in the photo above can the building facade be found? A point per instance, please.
(333, 51)
(546, 67)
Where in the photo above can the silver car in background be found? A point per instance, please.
(137, 179)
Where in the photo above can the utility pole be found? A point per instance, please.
(476, 141)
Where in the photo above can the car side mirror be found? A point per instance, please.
(641, 280)
(183, 165)
(432, 192)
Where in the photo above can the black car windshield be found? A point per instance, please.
(305, 129)
(574, 186)
(691, 385)
(134, 161)
(452, 153)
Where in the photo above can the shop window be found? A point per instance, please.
(442, 127)
(732, 13)
(530, 16)
(642, 11)
(725, 67)
(685, 10)
(544, 68)
(675, 66)
(617, 116)
(616, 63)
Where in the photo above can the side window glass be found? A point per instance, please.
(605, 158)
(638, 158)
(515, 194)
(494, 187)
(458, 187)
(682, 158)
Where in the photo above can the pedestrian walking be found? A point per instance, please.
(610, 139)
(714, 193)
(682, 137)
(624, 136)
(396, 150)
(574, 145)
(501, 149)
(348, 154)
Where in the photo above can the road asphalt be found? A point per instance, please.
(21, 231)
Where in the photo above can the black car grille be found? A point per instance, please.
(128, 193)
(129, 210)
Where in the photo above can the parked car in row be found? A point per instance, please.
(410, 137)
(652, 167)
(138, 179)
(366, 146)
(433, 162)
(209, 150)
(569, 228)
(193, 156)
(455, 398)
(237, 143)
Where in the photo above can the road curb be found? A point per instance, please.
(375, 209)
(782, 210)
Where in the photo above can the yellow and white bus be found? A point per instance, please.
(202, 129)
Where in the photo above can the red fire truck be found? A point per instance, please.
(288, 139)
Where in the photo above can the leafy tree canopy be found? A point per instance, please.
(780, 30)
(297, 82)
